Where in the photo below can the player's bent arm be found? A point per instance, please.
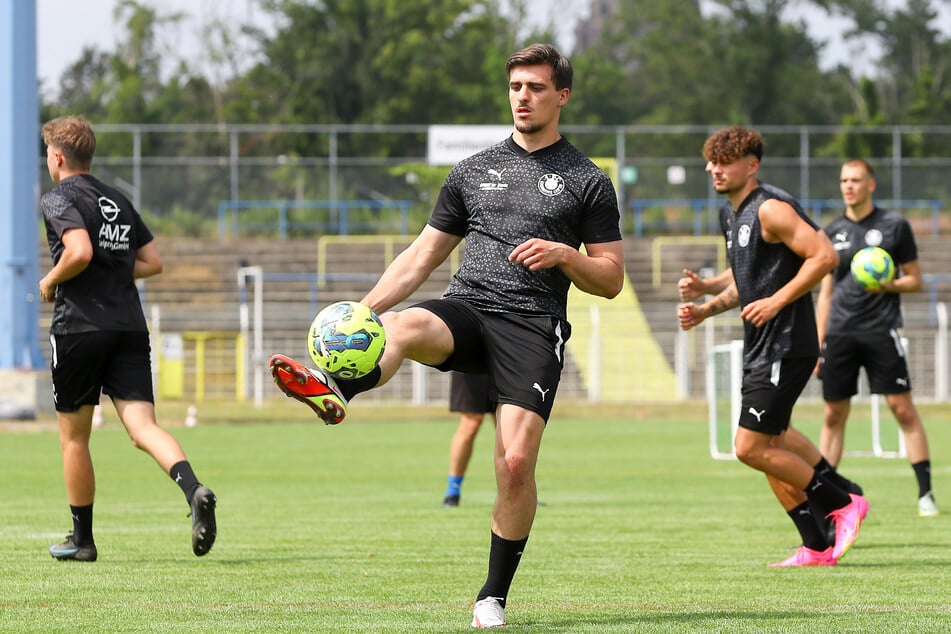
(599, 271)
(691, 286)
(725, 300)
(909, 282)
(780, 223)
(690, 315)
(411, 268)
(76, 256)
(148, 262)
(719, 282)
(824, 306)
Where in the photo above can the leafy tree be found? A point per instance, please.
(913, 76)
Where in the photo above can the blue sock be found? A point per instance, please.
(455, 484)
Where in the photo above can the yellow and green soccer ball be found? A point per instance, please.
(346, 340)
(872, 267)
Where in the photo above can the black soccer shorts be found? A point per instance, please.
(880, 353)
(86, 364)
(522, 355)
(769, 393)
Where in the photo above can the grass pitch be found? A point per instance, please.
(339, 529)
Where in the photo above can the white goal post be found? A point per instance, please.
(724, 378)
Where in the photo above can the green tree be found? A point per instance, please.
(912, 76)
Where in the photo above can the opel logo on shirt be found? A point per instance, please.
(108, 208)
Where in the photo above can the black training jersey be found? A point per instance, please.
(104, 295)
(760, 269)
(501, 197)
(853, 309)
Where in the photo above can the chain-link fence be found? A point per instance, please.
(180, 175)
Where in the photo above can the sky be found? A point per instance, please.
(64, 27)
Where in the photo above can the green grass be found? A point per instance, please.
(340, 530)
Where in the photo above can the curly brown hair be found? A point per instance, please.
(731, 144)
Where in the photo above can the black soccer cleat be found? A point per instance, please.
(204, 528)
(70, 550)
(450, 501)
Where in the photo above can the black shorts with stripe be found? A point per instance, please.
(770, 392)
(880, 353)
(523, 356)
(84, 365)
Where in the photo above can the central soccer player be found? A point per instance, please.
(524, 206)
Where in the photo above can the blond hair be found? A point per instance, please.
(73, 136)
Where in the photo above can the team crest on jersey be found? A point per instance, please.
(108, 208)
(743, 235)
(551, 184)
(873, 237)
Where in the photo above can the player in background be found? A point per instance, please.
(777, 255)
(524, 206)
(691, 287)
(469, 396)
(99, 338)
(859, 327)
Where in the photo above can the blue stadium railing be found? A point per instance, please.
(337, 219)
(698, 216)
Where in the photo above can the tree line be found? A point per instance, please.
(414, 61)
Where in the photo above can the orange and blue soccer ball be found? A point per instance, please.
(346, 340)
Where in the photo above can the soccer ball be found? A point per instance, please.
(346, 339)
(872, 267)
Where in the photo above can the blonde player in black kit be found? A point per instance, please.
(98, 335)
(777, 255)
(524, 207)
(858, 327)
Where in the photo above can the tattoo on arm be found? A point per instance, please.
(726, 300)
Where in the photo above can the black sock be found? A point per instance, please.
(805, 521)
(184, 477)
(923, 475)
(351, 387)
(82, 524)
(825, 469)
(504, 556)
(828, 495)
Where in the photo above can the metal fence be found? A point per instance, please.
(184, 173)
(220, 182)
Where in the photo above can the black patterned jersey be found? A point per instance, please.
(501, 197)
(761, 268)
(104, 295)
(853, 309)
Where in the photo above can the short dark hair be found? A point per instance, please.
(561, 71)
(731, 144)
(73, 136)
(862, 163)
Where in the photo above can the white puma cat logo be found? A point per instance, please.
(543, 392)
(758, 415)
(497, 174)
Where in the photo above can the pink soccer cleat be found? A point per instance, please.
(848, 520)
(807, 557)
